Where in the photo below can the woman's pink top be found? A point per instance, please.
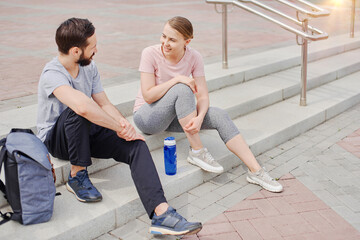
(153, 61)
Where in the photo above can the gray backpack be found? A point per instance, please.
(29, 180)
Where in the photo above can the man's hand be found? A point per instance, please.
(194, 125)
(129, 133)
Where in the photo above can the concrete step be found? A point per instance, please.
(237, 100)
(241, 69)
(263, 130)
(247, 97)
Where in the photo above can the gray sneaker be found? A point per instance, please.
(263, 179)
(204, 160)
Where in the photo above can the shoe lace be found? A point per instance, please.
(208, 156)
(265, 175)
(85, 181)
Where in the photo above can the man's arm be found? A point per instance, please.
(128, 133)
(86, 107)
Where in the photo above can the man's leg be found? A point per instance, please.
(106, 144)
(69, 140)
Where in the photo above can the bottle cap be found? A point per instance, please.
(170, 141)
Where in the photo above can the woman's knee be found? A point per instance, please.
(181, 89)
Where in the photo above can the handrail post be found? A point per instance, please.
(224, 37)
(304, 52)
(352, 24)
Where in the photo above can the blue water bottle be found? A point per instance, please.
(170, 155)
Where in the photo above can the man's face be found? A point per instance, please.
(88, 52)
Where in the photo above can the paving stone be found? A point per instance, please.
(265, 206)
(129, 228)
(223, 178)
(210, 212)
(227, 189)
(106, 236)
(216, 228)
(282, 206)
(328, 198)
(203, 189)
(246, 230)
(223, 236)
(350, 202)
(230, 200)
(188, 211)
(239, 170)
(317, 221)
(182, 200)
(265, 228)
(206, 200)
(347, 214)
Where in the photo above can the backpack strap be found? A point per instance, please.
(6, 217)
(26, 130)
(2, 158)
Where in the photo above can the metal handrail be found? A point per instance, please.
(314, 35)
(320, 35)
(352, 21)
(320, 12)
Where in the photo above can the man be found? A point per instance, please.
(76, 121)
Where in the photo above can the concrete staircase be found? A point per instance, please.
(261, 94)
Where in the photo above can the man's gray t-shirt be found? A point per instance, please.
(53, 76)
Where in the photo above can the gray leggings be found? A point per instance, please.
(178, 103)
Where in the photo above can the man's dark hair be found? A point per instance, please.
(74, 32)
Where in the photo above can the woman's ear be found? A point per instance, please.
(187, 41)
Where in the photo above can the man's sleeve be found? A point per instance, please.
(52, 80)
(96, 84)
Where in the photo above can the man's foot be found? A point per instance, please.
(172, 223)
(204, 160)
(81, 186)
(263, 179)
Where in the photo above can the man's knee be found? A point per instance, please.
(73, 118)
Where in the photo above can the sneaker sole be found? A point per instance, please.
(263, 186)
(203, 166)
(78, 198)
(164, 231)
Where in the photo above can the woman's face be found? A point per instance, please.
(173, 42)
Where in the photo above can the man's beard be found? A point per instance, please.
(84, 61)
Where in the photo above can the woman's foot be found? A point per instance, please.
(263, 179)
(204, 160)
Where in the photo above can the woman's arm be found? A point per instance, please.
(152, 92)
(202, 98)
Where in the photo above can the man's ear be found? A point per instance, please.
(75, 51)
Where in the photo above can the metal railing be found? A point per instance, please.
(352, 20)
(308, 33)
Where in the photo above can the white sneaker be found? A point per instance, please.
(263, 179)
(204, 160)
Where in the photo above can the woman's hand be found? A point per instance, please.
(188, 81)
(128, 132)
(194, 125)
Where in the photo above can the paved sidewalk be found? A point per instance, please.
(321, 199)
(124, 28)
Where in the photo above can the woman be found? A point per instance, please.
(172, 76)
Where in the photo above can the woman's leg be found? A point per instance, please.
(177, 103)
(218, 119)
(239, 147)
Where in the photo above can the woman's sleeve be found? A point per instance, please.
(147, 62)
(198, 67)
